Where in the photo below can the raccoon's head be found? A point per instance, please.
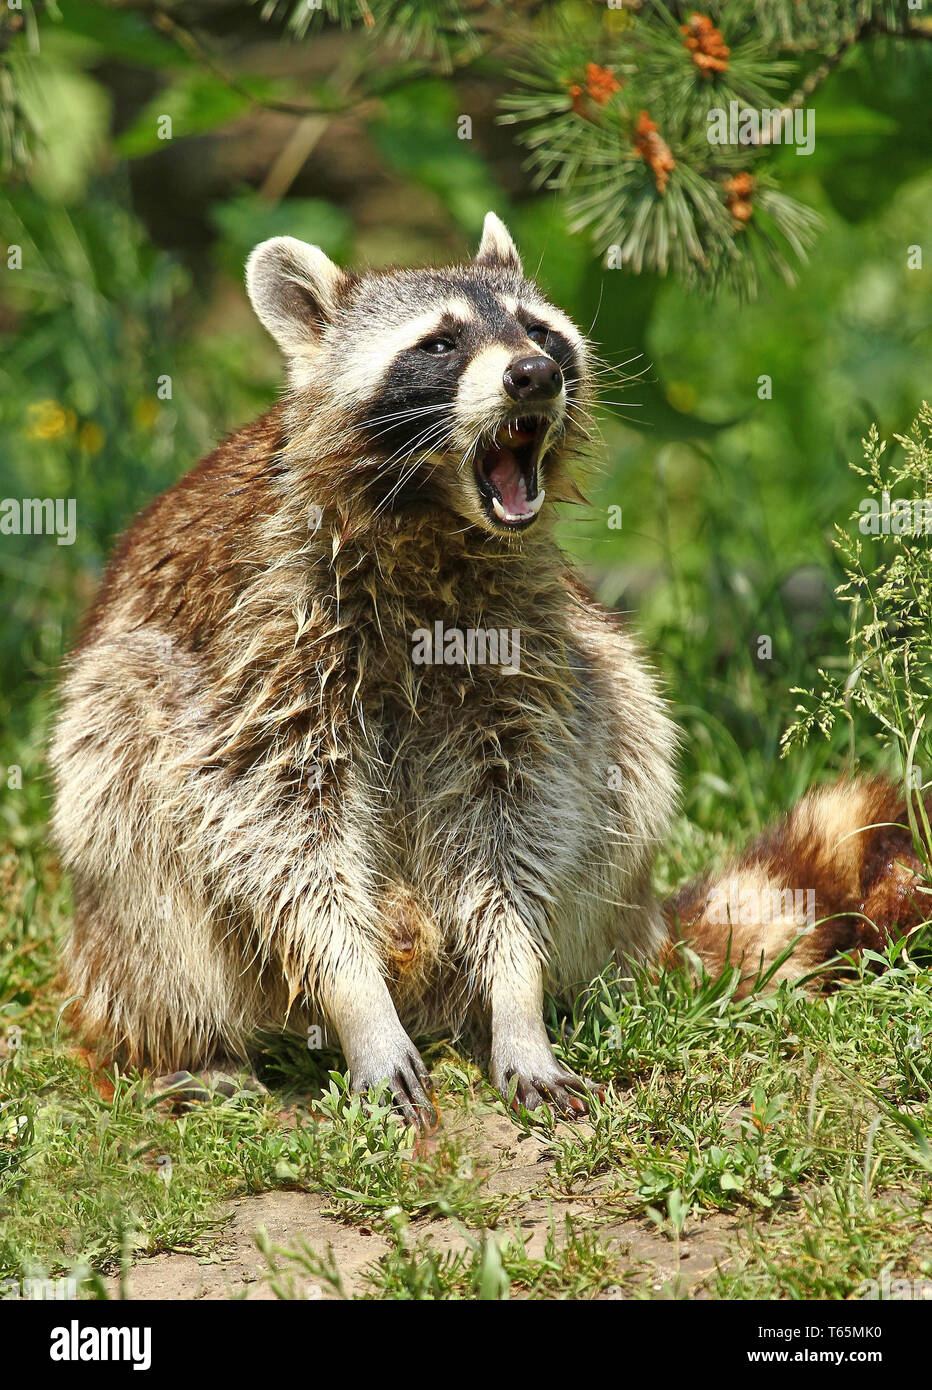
(461, 388)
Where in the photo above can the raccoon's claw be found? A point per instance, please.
(411, 1088)
(564, 1093)
(412, 1096)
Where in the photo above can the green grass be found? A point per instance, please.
(801, 1124)
(574, 1264)
(803, 1120)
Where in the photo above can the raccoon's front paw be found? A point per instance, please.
(407, 1081)
(542, 1081)
(224, 1078)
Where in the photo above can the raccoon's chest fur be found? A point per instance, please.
(473, 757)
(468, 680)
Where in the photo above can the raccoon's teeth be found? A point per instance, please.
(502, 515)
(533, 507)
(518, 431)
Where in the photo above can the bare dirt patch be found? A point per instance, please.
(518, 1166)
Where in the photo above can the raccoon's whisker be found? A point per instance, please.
(410, 446)
(581, 424)
(433, 438)
(604, 364)
(407, 472)
(400, 417)
(582, 430)
(616, 370)
(407, 410)
(393, 421)
(472, 451)
(429, 445)
(366, 465)
(579, 417)
(598, 309)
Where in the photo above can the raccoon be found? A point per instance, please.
(344, 740)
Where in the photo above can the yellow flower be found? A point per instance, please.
(91, 437)
(49, 420)
(146, 412)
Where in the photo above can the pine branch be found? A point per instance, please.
(613, 106)
(193, 47)
(868, 29)
(825, 69)
(617, 117)
(446, 29)
(189, 43)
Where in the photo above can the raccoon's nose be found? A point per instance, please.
(533, 379)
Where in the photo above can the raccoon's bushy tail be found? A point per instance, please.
(838, 874)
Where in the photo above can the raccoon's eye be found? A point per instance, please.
(538, 333)
(437, 347)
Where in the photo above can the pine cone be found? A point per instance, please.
(738, 190)
(654, 150)
(709, 51)
(601, 83)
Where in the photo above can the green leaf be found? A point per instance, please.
(120, 34)
(70, 114)
(247, 219)
(197, 103)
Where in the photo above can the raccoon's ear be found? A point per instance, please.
(496, 247)
(294, 289)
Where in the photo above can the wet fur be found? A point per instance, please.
(272, 818)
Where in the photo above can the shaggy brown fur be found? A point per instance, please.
(848, 848)
(274, 816)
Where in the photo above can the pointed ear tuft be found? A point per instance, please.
(496, 247)
(294, 289)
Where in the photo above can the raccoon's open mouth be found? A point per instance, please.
(507, 473)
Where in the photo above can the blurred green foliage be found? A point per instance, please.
(130, 278)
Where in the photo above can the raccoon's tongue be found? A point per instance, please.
(508, 478)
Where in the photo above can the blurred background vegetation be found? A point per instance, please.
(346, 131)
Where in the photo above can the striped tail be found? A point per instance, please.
(838, 874)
